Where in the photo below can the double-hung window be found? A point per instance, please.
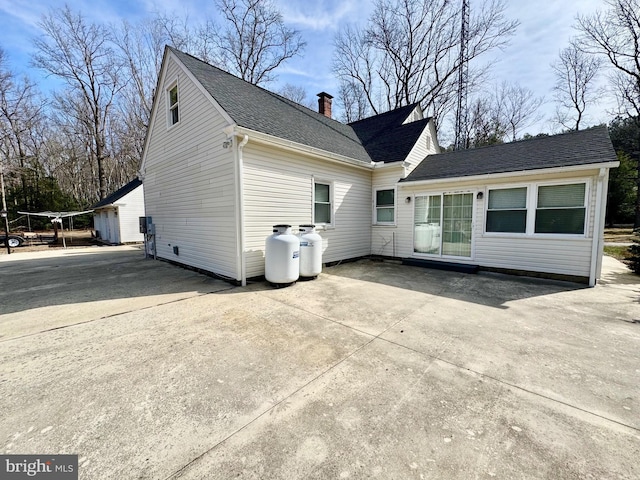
(561, 209)
(322, 207)
(385, 206)
(507, 210)
(174, 116)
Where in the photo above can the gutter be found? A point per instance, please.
(298, 147)
(517, 173)
(241, 265)
(597, 242)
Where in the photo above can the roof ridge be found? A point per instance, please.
(532, 139)
(378, 115)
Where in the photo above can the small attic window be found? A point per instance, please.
(174, 116)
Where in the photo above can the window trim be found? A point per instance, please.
(324, 225)
(171, 86)
(375, 206)
(532, 207)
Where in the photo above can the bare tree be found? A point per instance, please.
(254, 41)
(516, 107)
(80, 53)
(501, 115)
(188, 35)
(295, 93)
(615, 35)
(485, 128)
(140, 49)
(21, 116)
(408, 51)
(575, 73)
(352, 101)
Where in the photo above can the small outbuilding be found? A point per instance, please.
(116, 218)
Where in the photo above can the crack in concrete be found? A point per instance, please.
(104, 317)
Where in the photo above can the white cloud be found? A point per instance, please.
(323, 15)
(25, 12)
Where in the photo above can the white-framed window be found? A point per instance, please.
(507, 210)
(322, 203)
(173, 114)
(385, 206)
(561, 209)
(538, 209)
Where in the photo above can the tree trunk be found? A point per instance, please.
(636, 222)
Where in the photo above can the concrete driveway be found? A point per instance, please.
(374, 370)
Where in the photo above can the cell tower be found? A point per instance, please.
(463, 81)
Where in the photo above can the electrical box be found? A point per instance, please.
(145, 224)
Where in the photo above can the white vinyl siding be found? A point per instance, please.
(287, 180)
(424, 146)
(551, 253)
(189, 182)
(383, 237)
(130, 209)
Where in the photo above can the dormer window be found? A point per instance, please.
(174, 116)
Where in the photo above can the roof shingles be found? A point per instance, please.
(118, 194)
(584, 147)
(258, 109)
(381, 138)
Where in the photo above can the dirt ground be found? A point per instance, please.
(619, 235)
(73, 239)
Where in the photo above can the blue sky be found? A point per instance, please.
(545, 28)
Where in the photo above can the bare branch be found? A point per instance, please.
(575, 73)
(408, 51)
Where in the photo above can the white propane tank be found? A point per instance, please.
(282, 256)
(310, 251)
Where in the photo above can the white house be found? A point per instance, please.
(225, 160)
(116, 218)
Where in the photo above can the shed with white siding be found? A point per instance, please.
(116, 218)
(225, 160)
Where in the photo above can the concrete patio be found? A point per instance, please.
(374, 370)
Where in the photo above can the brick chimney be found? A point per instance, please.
(324, 104)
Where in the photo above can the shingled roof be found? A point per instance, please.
(381, 138)
(261, 110)
(118, 194)
(386, 138)
(583, 147)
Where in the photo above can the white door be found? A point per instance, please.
(115, 227)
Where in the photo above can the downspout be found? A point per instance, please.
(597, 242)
(240, 238)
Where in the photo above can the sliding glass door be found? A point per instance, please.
(443, 224)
